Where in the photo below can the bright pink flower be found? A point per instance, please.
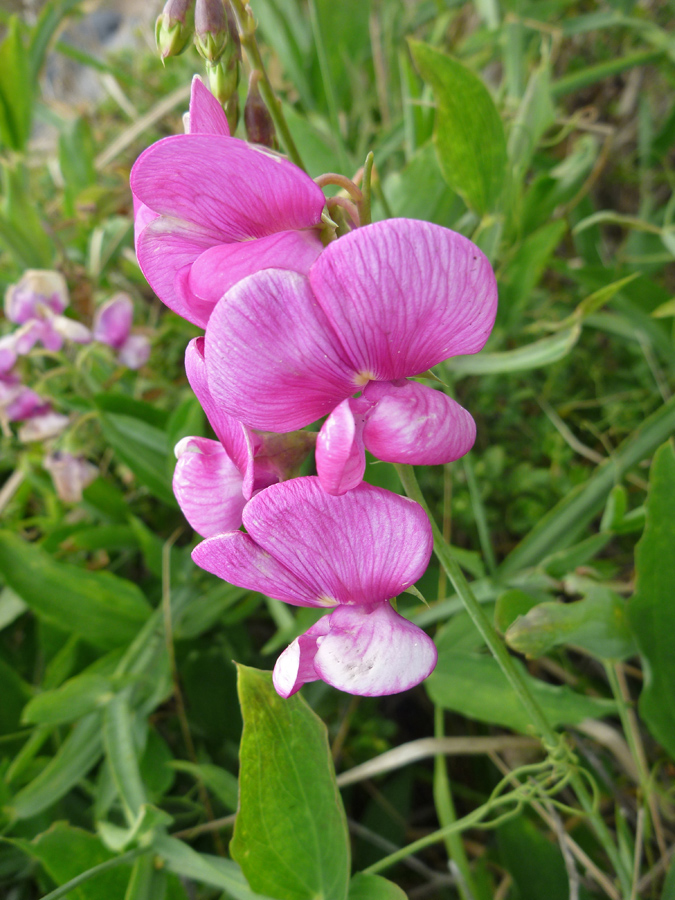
(381, 305)
(352, 554)
(211, 209)
(214, 479)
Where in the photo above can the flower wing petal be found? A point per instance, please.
(362, 547)
(373, 651)
(340, 455)
(206, 114)
(208, 486)
(272, 358)
(413, 423)
(403, 295)
(295, 666)
(237, 558)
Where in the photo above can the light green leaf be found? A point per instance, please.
(291, 837)
(16, 89)
(102, 608)
(539, 353)
(122, 755)
(373, 887)
(469, 133)
(651, 610)
(475, 686)
(74, 699)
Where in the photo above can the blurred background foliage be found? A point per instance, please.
(544, 130)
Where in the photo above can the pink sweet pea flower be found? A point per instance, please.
(112, 326)
(382, 304)
(36, 304)
(210, 209)
(352, 554)
(214, 479)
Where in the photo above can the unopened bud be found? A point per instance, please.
(174, 27)
(223, 81)
(257, 118)
(212, 33)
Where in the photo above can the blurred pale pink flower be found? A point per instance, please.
(35, 303)
(112, 326)
(352, 554)
(70, 474)
(210, 209)
(214, 479)
(42, 426)
(380, 305)
(18, 402)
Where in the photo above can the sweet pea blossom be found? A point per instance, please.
(70, 474)
(36, 303)
(379, 306)
(213, 479)
(112, 326)
(210, 209)
(351, 554)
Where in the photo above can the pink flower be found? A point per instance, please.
(380, 305)
(210, 209)
(112, 326)
(36, 304)
(352, 554)
(18, 402)
(42, 426)
(214, 479)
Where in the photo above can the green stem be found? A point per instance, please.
(479, 515)
(365, 211)
(445, 809)
(246, 25)
(550, 738)
(65, 889)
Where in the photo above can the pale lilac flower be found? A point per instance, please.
(112, 326)
(18, 402)
(135, 351)
(351, 554)
(380, 305)
(70, 474)
(42, 426)
(210, 209)
(36, 303)
(214, 479)
(8, 354)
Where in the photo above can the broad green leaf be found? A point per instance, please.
(76, 756)
(476, 687)
(469, 133)
(598, 624)
(563, 524)
(66, 852)
(373, 887)
(651, 610)
(539, 353)
(16, 89)
(122, 755)
(74, 699)
(510, 605)
(291, 837)
(104, 609)
(220, 782)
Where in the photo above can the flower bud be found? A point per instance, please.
(38, 288)
(223, 81)
(257, 118)
(174, 27)
(70, 474)
(212, 33)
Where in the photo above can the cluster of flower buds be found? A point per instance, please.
(228, 236)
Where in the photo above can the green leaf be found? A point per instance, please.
(373, 887)
(74, 699)
(291, 837)
(16, 89)
(510, 605)
(651, 610)
(122, 756)
(220, 782)
(51, 16)
(102, 608)
(539, 353)
(469, 133)
(76, 756)
(475, 687)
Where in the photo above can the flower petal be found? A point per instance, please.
(206, 115)
(413, 423)
(340, 455)
(271, 356)
(235, 557)
(112, 320)
(295, 666)
(403, 295)
(208, 486)
(227, 186)
(235, 437)
(373, 651)
(221, 267)
(135, 351)
(362, 547)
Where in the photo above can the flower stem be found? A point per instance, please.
(550, 738)
(246, 26)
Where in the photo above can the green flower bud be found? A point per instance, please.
(212, 33)
(223, 79)
(174, 27)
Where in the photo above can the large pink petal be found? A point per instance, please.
(295, 666)
(413, 423)
(235, 437)
(403, 295)
(271, 356)
(166, 249)
(206, 114)
(373, 651)
(235, 557)
(221, 267)
(208, 486)
(340, 455)
(226, 185)
(143, 215)
(362, 547)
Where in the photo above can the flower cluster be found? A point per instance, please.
(228, 236)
